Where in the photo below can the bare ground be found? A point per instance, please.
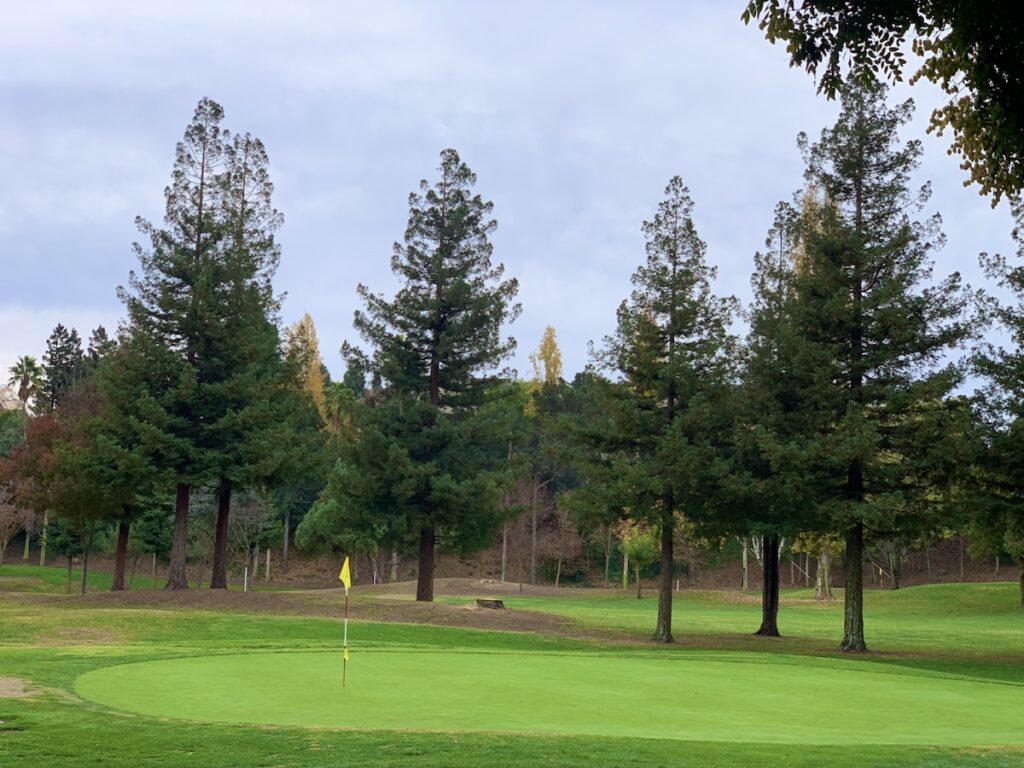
(13, 688)
(391, 603)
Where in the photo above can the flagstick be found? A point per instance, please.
(344, 653)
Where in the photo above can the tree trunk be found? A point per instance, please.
(86, 548)
(394, 565)
(663, 629)
(961, 537)
(287, 532)
(822, 590)
(625, 572)
(639, 585)
(135, 565)
(154, 570)
(219, 572)
(504, 551)
(769, 586)
(28, 539)
(120, 556)
(425, 576)
(807, 569)
(928, 561)
(533, 536)
(792, 570)
(853, 571)
(607, 552)
(744, 577)
(897, 570)
(68, 588)
(1020, 580)
(42, 539)
(176, 578)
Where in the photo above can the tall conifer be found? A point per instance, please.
(435, 349)
(671, 350)
(875, 330)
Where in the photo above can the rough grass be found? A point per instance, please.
(921, 634)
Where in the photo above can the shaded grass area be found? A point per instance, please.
(963, 630)
(53, 580)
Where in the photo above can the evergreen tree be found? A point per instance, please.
(100, 345)
(63, 366)
(245, 393)
(771, 495)
(874, 332)
(435, 346)
(171, 303)
(998, 522)
(672, 352)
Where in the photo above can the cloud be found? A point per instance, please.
(573, 114)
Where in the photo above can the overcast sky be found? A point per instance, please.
(574, 116)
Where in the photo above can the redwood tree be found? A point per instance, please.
(434, 349)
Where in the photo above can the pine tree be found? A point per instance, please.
(772, 497)
(100, 346)
(435, 346)
(998, 522)
(170, 304)
(672, 350)
(63, 367)
(874, 331)
(245, 439)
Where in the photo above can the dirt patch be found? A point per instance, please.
(14, 688)
(392, 603)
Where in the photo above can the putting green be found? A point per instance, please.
(719, 697)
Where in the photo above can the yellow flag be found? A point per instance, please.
(346, 579)
(344, 654)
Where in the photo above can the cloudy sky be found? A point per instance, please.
(574, 115)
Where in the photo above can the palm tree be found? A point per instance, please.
(27, 376)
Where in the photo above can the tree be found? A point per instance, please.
(27, 376)
(170, 303)
(672, 350)
(873, 333)
(202, 325)
(245, 441)
(973, 51)
(772, 499)
(639, 543)
(63, 366)
(434, 347)
(302, 352)
(999, 521)
(547, 360)
(100, 346)
(13, 519)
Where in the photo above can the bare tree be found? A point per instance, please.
(13, 519)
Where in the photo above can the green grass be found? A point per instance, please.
(704, 696)
(947, 671)
(53, 579)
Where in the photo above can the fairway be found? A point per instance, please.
(687, 696)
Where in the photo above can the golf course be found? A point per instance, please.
(563, 676)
